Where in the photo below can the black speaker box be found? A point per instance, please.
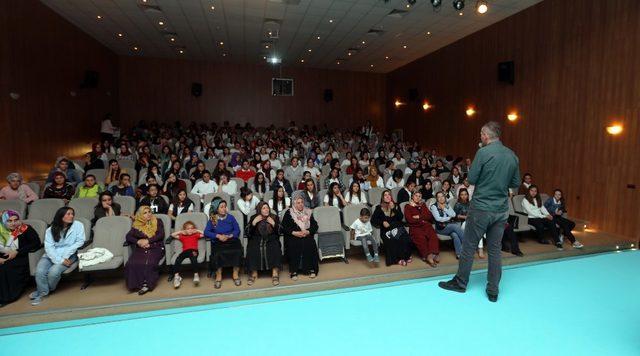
(413, 94)
(91, 78)
(506, 72)
(328, 95)
(196, 89)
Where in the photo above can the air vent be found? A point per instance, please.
(395, 13)
(374, 32)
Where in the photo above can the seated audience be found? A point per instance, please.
(555, 205)
(455, 178)
(374, 179)
(180, 204)
(388, 218)
(205, 186)
(466, 185)
(155, 201)
(247, 203)
(462, 210)
(172, 186)
(123, 187)
(404, 195)
(445, 222)
(334, 177)
(72, 175)
(16, 190)
(105, 207)
(90, 188)
(17, 239)
(245, 172)
(527, 180)
(113, 172)
(334, 197)
(260, 185)
(281, 181)
(197, 173)
(61, 242)
(146, 238)
(59, 189)
(396, 180)
(310, 194)
(355, 195)
(227, 186)
(299, 228)
(362, 231)
(280, 202)
(263, 245)
(188, 237)
(427, 191)
(226, 250)
(421, 231)
(448, 193)
(539, 217)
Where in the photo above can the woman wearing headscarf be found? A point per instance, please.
(16, 189)
(299, 227)
(60, 189)
(226, 250)
(263, 248)
(146, 236)
(16, 241)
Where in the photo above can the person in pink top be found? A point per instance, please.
(17, 190)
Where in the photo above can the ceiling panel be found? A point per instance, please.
(197, 29)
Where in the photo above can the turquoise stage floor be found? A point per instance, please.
(573, 307)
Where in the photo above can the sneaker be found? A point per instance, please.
(369, 258)
(196, 279)
(36, 301)
(143, 290)
(376, 258)
(34, 295)
(177, 281)
(577, 244)
(452, 285)
(559, 246)
(492, 297)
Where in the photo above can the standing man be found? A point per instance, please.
(493, 172)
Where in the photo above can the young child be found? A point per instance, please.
(361, 229)
(189, 237)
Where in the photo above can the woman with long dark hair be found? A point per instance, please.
(388, 218)
(61, 243)
(355, 195)
(280, 202)
(539, 217)
(105, 207)
(334, 197)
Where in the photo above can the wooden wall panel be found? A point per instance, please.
(160, 90)
(44, 58)
(577, 69)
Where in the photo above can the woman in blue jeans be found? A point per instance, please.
(61, 242)
(445, 222)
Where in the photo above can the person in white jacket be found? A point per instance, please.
(61, 242)
(539, 217)
(396, 180)
(205, 186)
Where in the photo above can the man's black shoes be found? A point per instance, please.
(452, 285)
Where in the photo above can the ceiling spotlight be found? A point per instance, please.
(614, 129)
(274, 60)
(318, 37)
(181, 51)
(221, 43)
(513, 116)
(428, 33)
(470, 111)
(458, 5)
(309, 50)
(213, 7)
(302, 61)
(481, 6)
(161, 23)
(348, 54)
(266, 46)
(436, 4)
(371, 65)
(426, 106)
(99, 17)
(135, 48)
(330, 20)
(173, 39)
(404, 46)
(120, 35)
(386, 57)
(337, 62)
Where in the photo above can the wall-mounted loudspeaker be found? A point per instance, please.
(91, 78)
(506, 72)
(328, 95)
(413, 94)
(196, 89)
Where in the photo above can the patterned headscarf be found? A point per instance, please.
(7, 235)
(301, 218)
(148, 228)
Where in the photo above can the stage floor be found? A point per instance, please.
(575, 306)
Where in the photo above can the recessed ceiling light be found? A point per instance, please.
(224, 54)
(371, 65)
(161, 23)
(338, 62)
(330, 20)
(408, 6)
(404, 46)
(428, 33)
(99, 17)
(302, 61)
(120, 34)
(386, 57)
(173, 39)
(135, 48)
(363, 42)
(221, 43)
(181, 51)
(309, 50)
(266, 46)
(318, 37)
(213, 7)
(460, 13)
(348, 54)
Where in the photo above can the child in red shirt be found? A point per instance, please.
(189, 237)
